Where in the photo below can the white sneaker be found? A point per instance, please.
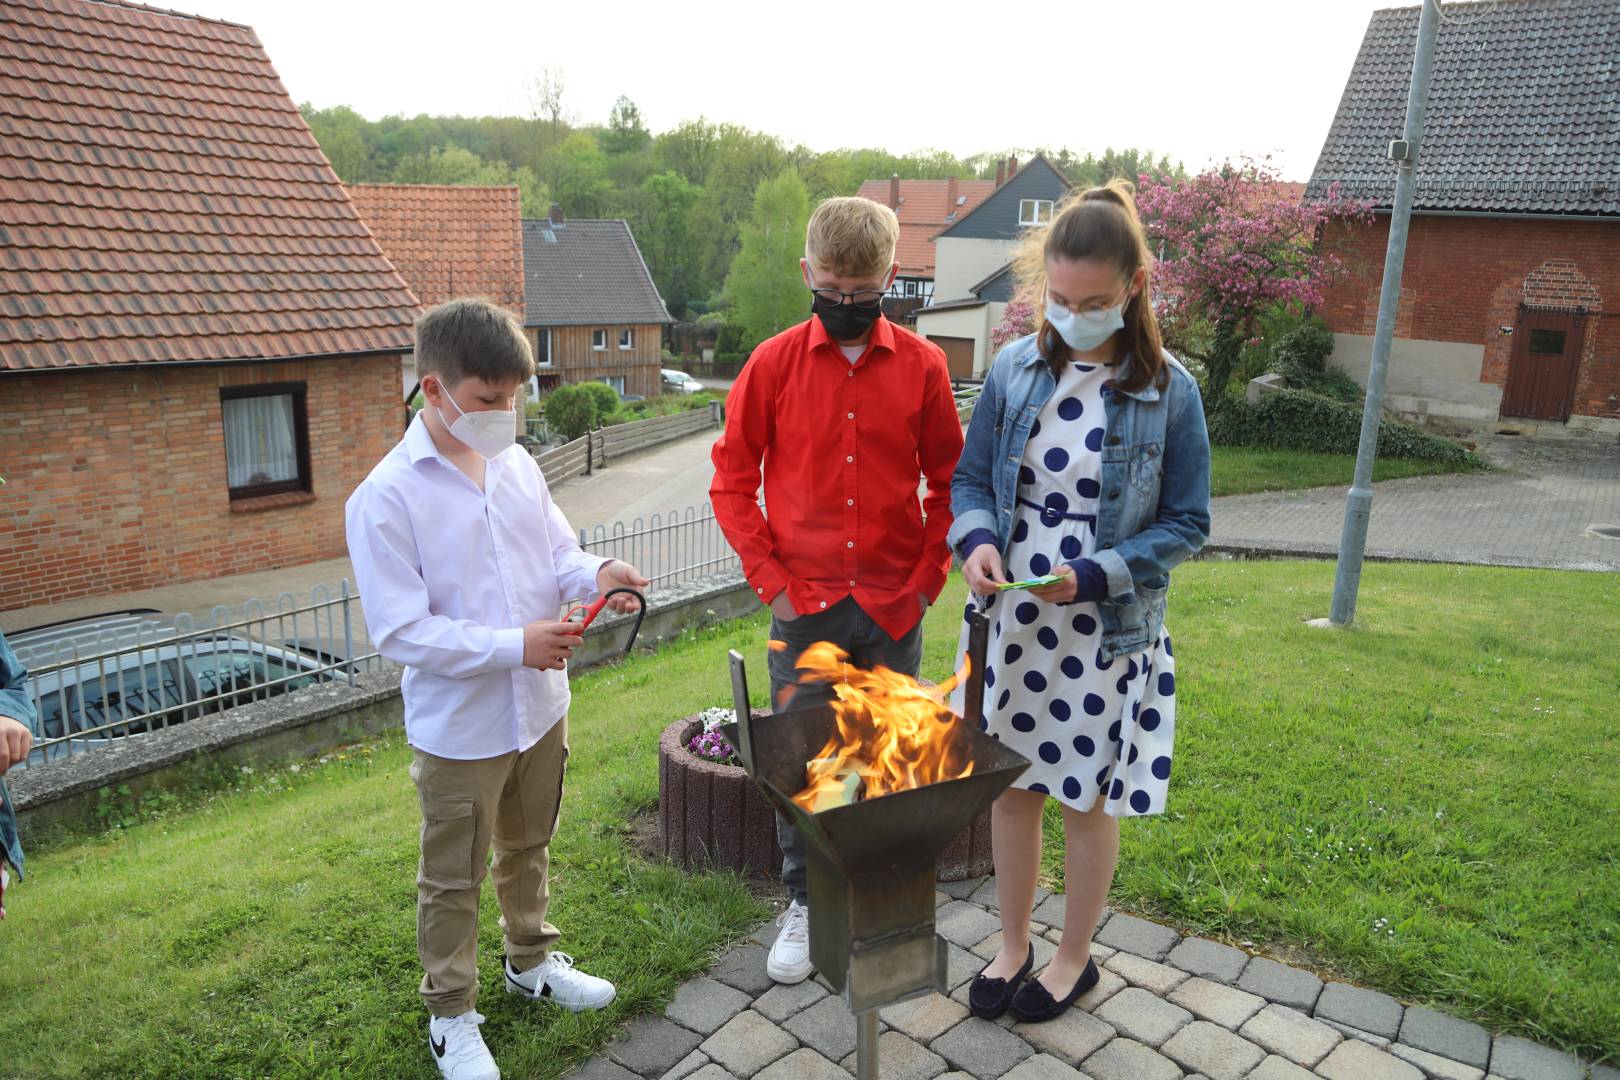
(556, 979)
(459, 1050)
(789, 961)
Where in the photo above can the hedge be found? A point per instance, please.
(1300, 356)
(1299, 420)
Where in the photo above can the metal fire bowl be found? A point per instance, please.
(884, 834)
(871, 864)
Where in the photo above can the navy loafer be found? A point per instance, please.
(989, 998)
(1034, 1004)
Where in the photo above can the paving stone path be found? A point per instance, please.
(1168, 1007)
(1537, 512)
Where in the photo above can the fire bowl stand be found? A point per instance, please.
(871, 864)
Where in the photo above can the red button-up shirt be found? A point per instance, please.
(843, 447)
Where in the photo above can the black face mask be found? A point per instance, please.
(845, 322)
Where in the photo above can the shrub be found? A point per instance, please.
(571, 410)
(1301, 355)
(606, 398)
(1298, 420)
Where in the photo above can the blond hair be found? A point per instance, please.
(852, 237)
(1100, 223)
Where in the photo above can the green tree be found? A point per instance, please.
(765, 287)
(662, 223)
(341, 133)
(625, 132)
(576, 171)
(741, 160)
(453, 165)
(689, 149)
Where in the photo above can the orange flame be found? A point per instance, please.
(891, 731)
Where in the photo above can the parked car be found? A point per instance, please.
(679, 382)
(129, 664)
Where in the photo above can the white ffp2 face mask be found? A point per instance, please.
(488, 431)
(1085, 330)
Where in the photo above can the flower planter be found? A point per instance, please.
(711, 816)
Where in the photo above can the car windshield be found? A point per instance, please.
(226, 668)
(173, 683)
(112, 698)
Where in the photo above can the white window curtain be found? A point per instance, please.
(261, 445)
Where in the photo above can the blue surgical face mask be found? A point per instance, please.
(1085, 330)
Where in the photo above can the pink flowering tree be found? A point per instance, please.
(1233, 244)
(1017, 320)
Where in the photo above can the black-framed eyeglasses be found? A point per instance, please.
(866, 298)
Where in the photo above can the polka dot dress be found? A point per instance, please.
(1087, 724)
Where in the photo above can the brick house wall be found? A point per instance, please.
(115, 480)
(1465, 278)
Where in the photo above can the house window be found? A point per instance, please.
(266, 439)
(627, 339)
(615, 381)
(911, 288)
(599, 340)
(542, 348)
(1034, 211)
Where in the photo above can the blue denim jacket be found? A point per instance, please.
(1154, 509)
(16, 703)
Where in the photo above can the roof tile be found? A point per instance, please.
(163, 201)
(449, 241)
(923, 212)
(583, 272)
(1513, 83)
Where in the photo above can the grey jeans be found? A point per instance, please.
(868, 644)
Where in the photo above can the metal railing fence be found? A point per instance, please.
(125, 675)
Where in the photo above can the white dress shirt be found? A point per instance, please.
(449, 576)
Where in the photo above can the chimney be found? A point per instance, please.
(950, 197)
(556, 214)
(1012, 166)
(1001, 171)
(894, 192)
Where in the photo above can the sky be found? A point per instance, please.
(1197, 79)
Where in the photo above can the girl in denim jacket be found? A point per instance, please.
(16, 737)
(1087, 460)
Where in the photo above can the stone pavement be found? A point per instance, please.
(1536, 511)
(1167, 1007)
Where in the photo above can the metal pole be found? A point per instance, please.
(1358, 506)
(348, 634)
(866, 1045)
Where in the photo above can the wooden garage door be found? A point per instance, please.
(1542, 369)
(958, 355)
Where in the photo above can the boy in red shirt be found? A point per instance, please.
(846, 412)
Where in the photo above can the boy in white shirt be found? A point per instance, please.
(463, 562)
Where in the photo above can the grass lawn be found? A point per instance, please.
(1424, 805)
(1238, 470)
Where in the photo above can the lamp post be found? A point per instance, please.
(1404, 152)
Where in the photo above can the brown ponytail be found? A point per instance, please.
(1100, 223)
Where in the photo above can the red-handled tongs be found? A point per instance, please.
(591, 611)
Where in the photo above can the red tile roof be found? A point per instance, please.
(447, 240)
(161, 200)
(923, 213)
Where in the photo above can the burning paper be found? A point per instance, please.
(834, 783)
(892, 733)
